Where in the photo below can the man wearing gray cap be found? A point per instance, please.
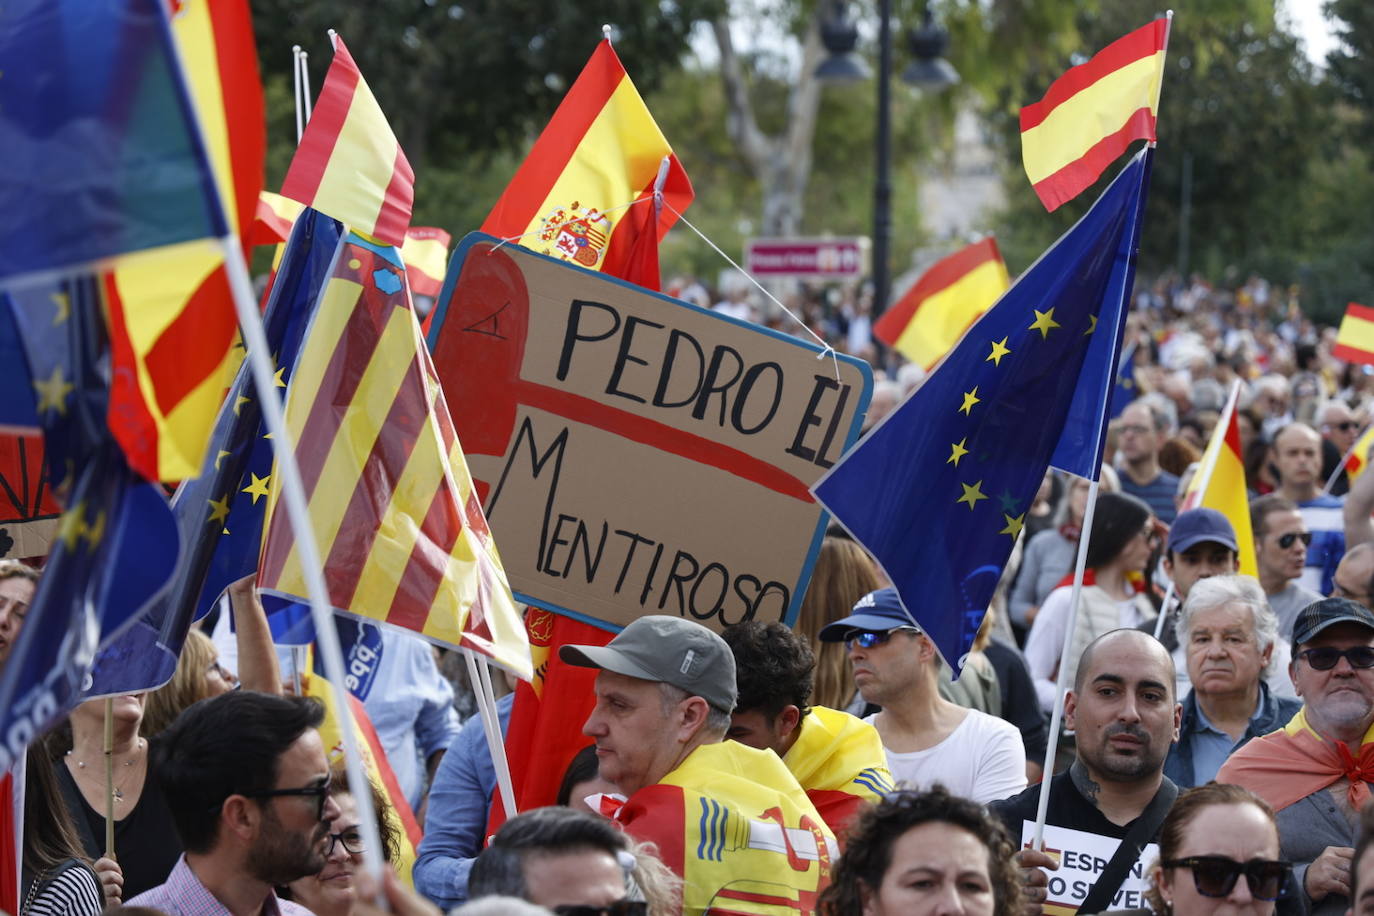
(729, 819)
(1315, 771)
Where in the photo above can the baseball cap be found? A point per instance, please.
(668, 650)
(1319, 615)
(1198, 526)
(877, 611)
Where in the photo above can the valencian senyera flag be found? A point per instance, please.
(349, 164)
(116, 543)
(1219, 482)
(938, 490)
(402, 537)
(1091, 114)
(930, 317)
(572, 197)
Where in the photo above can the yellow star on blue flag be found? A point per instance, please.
(1039, 381)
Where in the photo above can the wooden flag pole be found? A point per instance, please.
(109, 778)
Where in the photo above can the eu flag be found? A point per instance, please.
(220, 512)
(938, 491)
(117, 542)
(99, 150)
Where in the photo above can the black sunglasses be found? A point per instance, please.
(1215, 876)
(867, 639)
(619, 908)
(1286, 540)
(1344, 426)
(351, 840)
(320, 792)
(1324, 658)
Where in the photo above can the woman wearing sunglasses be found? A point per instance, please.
(1218, 853)
(332, 891)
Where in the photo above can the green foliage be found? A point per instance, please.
(464, 85)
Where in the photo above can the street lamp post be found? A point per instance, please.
(929, 71)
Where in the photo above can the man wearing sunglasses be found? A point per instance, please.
(1298, 458)
(1315, 771)
(1281, 541)
(927, 738)
(247, 782)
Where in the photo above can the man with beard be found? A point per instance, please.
(1123, 711)
(1315, 771)
(247, 781)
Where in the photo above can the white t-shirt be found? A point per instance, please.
(982, 759)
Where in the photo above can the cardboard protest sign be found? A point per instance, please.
(1082, 857)
(28, 509)
(634, 454)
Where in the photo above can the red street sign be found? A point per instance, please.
(836, 259)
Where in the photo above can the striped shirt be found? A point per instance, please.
(73, 891)
(182, 894)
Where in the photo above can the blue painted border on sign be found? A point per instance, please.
(455, 268)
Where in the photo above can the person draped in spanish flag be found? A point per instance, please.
(1315, 772)
(837, 758)
(729, 819)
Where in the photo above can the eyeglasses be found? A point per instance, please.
(1324, 658)
(867, 639)
(1215, 876)
(319, 790)
(1151, 535)
(1286, 540)
(351, 840)
(1344, 426)
(216, 668)
(619, 908)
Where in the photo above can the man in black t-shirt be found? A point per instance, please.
(1125, 715)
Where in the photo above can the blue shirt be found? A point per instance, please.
(1325, 519)
(459, 802)
(1211, 745)
(1158, 494)
(410, 704)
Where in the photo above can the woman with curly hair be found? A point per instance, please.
(918, 853)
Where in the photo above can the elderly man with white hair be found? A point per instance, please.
(1229, 635)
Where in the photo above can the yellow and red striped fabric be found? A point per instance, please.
(1355, 339)
(1222, 471)
(171, 313)
(402, 537)
(929, 320)
(600, 151)
(1358, 459)
(426, 257)
(1092, 113)
(349, 164)
(273, 219)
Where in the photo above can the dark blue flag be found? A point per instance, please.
(99, 150)
(117, 541)
(220, 513)
(938, 491)
(1124, 390)
(17, 414)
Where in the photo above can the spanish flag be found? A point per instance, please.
(929, 320)
(1219, 482)
(171, 314)
(1358, 458)
(402, 537)
(578, 192)
(349, 164)
(1355, 339)
(426, 258)
(273, 219)
(1092, 113)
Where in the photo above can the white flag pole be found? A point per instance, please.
(491, 725)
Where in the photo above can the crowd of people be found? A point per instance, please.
(1216, 748)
